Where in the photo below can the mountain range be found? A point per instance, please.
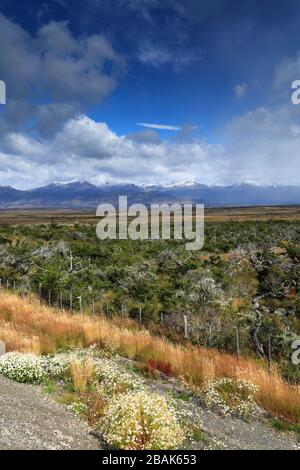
(84, 195)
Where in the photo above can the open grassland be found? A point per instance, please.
(217, 214)
(28, 326)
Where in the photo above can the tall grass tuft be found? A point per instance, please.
(81, 374)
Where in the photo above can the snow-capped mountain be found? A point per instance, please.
(82, 194)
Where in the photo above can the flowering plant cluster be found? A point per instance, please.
(57, 366)
(78, 407)
(230, 396)
(141, 420)
(31, 368)
(22, 367)
(115, 380)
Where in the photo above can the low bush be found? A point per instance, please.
(138, 421)
(56, 366)
(230, 396)
(113, 380)
(22, 367)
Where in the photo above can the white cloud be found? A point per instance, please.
(144, 135)
(261, 146)
(240, 90)
(165, 127)
(157, 56)
(90, 150)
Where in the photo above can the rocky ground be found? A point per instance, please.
(29, 420)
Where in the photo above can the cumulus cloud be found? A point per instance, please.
(54, 141)
(75, 68)
(56, 68)
(147, 135)
(90, 149)
(263, 145)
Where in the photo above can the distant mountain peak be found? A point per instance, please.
(74, 182)
(81, 194)
(186, 184)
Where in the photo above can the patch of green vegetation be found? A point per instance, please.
(133, 368)
(68, 387)
(49, 387)
(68, 398)
(198, 435)
(184, 396)
(283, 426)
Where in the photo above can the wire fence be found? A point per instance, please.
(89, 303)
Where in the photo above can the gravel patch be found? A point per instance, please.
(31, 421)
(234, 433)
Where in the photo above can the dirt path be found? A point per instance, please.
(28, 420)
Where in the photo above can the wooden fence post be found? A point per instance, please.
(161, 318)
(185, 322)
(140, 316)
(80, 304)
(238, 343)
(210, 335)
(49, 297)
(269, 354)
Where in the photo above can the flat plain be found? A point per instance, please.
(218, 214)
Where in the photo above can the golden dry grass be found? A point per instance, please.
(81, 374)
(28, 326)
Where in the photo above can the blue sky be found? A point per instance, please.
(81, 75)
